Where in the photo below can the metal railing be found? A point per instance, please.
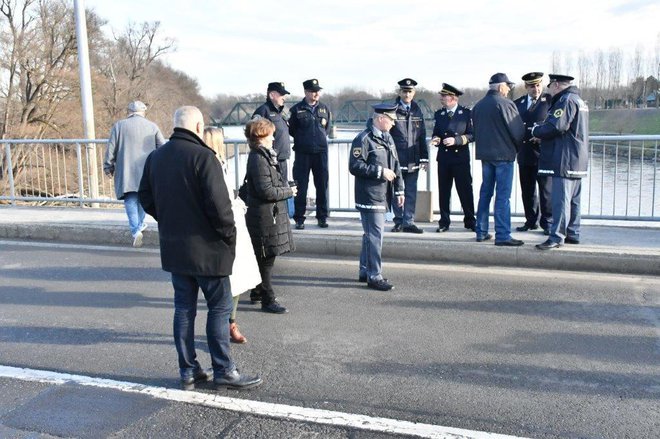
(623, 180)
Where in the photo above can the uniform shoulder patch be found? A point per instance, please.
(357, 152)
(558, 113)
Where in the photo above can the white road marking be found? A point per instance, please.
(318, 416)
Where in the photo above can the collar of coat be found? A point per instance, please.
(268, 153)
(272, 106)
(184, 134)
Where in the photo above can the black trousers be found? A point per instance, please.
(537, 204)
(447, 174)
(266, 286)
(284, 169)
(318, 164)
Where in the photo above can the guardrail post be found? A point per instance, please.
(10, 172)
(81, 188)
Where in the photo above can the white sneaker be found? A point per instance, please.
(137, 240)
(144, 227)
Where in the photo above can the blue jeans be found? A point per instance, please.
(217, 292)
(406, 215)
(373, 224)
(134, 211)
(565, 208)
(496, 176)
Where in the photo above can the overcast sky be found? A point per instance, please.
(237, 47)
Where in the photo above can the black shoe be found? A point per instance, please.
(526, 227)
(362, 278)
(510, 243)
(234, 380)
(323, 224)
(380, 285)
(188, 383)
(412, 229)
(255, 295)
(473, 228)
(548, 245)
(486, 237)
(300, 225)
(397, 228)
(568, 240)
(442, 229)
(273, 307)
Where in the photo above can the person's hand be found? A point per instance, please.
(435, 141)
(449, 141)
(388, 174)
(535, 140)
(400, 200)
(294, 189)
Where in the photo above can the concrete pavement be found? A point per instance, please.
(607, 246)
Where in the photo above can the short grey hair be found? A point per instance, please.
(495, 86)
(188, 117)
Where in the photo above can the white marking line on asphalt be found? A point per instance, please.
(318, 416)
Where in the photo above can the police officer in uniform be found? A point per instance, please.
(409, 134)
(564, 156)
(378, 183)
(310, 124)
(452, 134)
(273, 110)
(533, 108)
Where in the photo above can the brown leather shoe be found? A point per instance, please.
(235, 335)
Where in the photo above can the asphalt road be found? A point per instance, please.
(521, 352)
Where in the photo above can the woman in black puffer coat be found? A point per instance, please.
(267, 216)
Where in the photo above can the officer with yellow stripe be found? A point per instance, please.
(452, 135)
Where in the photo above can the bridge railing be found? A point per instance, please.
(623, 180)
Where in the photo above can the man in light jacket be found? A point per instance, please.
(498, 133)
(131, 141)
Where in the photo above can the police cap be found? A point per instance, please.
(388, 110)
(312, 85)
(560, 78)
(278, 87)
(407, 84)
(532, 78)
(450, 90)
(498, 78)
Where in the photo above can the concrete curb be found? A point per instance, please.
(395, 248)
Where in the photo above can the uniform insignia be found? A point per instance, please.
(357, 152)
(460, 111)
(442, 114)
(322, 110)
(323, 121)
(408, 82)
(558, 113)
(543, 99)
(315, 82)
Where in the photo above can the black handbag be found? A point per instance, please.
(243, 190)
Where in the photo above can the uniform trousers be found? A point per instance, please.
(318, 164)
(406, 215)
(373, 224)
(537, 203)
(447, 174)
(565, 208)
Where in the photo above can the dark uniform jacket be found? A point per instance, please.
(459, 127)
(498, 128)
(267, 217)
(409, 134)
(310, 127)
(528, 155)
(282, 143)
(565, 136)
(369, 155)
(183, 188)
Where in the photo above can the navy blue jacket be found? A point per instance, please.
(528, 155)
(282, 143)
(498, 128)
(565, 136)
(459, 127)
(310, 127)
(369, 155)
(409, 134)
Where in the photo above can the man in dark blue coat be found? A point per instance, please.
(452, 135)
(564, 156)
(309, 125)
(273, 110)
(184, 189)
(533, 108)
(409, 134)
(378, 184)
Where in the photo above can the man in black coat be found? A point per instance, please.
(183, 188)
(533, 108)
(452, 135)
(273, 110)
